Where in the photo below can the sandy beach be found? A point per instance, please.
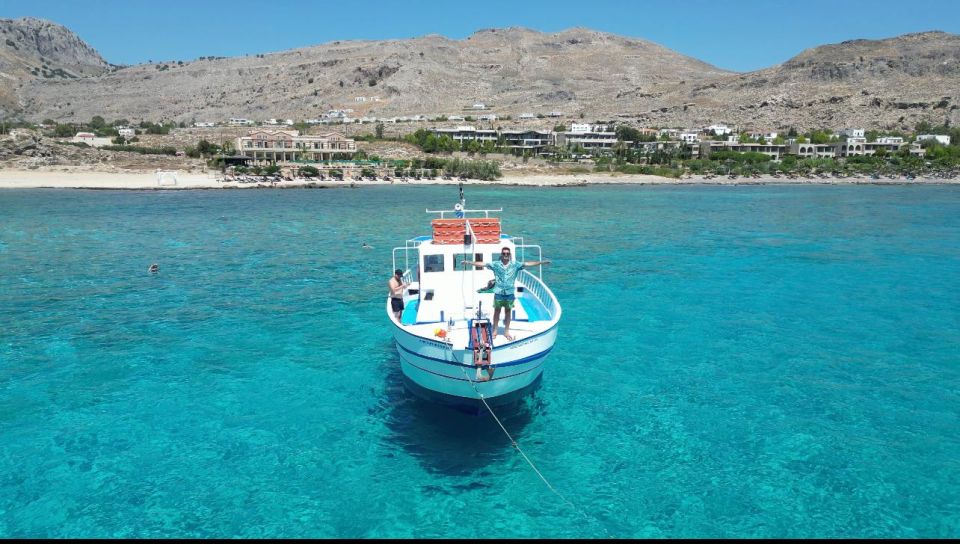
(133, 180)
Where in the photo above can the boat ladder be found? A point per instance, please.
(480, 337)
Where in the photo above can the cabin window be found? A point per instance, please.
(433, 263)
(458, 259)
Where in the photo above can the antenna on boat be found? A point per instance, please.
(463, 201)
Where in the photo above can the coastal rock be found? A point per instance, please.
(37, 49)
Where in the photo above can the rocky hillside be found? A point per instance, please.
(514, 70)
(37, 49)
(889, 83)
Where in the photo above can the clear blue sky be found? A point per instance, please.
(737, 35)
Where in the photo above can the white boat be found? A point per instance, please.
(444, 331)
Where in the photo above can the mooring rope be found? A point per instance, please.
(516, 445)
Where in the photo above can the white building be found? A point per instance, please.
(853, 132)
(690, 137)
(580, 128)
(527, 116)
(204, 124)
(942, 139)
(890, 140)
(126, 132)
(239, 122)
(555, 114)
(719, 130)
(588, 139)
(455, 118)
(479, 106)
(467, 133)
(487, 117)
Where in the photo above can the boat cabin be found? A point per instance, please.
(442, 288)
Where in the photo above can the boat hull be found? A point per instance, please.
(439, 372)
(470, 406)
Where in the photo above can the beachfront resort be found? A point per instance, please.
(244, 150)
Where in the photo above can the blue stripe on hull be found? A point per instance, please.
(461, 387)
(472, 368)
(521, 361)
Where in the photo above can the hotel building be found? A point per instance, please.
(289, 145)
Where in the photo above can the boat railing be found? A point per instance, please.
(537, 288)
(522, 254)
(463, 213)
(406, 258)
(411, 246)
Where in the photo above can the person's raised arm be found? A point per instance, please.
(471, 263)
(536, 263)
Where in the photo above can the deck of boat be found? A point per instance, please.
(423, 318)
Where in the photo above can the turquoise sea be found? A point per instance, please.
(751, 361)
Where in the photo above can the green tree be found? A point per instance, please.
(97, 122)
(446, 143)
(821, 137)
(206, 148)
(379, 131)
(64, 131)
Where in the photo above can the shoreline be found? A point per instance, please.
(132, 180)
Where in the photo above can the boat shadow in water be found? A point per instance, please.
(455, 441)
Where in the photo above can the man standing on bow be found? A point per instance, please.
(505, 273)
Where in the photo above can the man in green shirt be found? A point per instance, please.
(505, 273)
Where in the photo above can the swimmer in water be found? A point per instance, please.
(154, 268)
(365, 246)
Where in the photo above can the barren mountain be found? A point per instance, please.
(514, 70)
(891, 83)
(869, 83)
(37, 49)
